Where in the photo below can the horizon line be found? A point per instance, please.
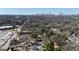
(41, 14)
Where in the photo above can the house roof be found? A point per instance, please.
(3, 27)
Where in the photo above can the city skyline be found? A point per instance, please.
(30, 11)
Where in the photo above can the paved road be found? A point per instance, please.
(5, 45)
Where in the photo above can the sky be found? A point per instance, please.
(31, 11)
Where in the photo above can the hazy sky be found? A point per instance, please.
(28, 11)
